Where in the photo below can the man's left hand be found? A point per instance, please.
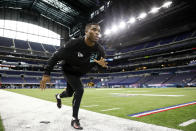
(102, 62)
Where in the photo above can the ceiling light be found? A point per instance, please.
(142, 15)
(114, 28)
(154, 10)
(132, 20)
(122, 24)
(167, 4)
(107, 32)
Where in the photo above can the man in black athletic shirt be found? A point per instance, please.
(78, 57)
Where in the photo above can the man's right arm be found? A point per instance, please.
(56, 57)
(62, 54)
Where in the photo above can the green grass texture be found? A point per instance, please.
(107, 98)
(1, 125)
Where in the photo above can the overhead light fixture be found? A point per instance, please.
(154, 10)
(114, 28)
(142, 15)
(122, 24)
(131, 20)
(167, 4)
(107, 32)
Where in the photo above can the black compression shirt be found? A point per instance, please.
(77, 58)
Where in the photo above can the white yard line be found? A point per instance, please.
(109, 89)
(90, 105)
(188, 122)
(136, 91)
(25, 113)
(122, 94)
(111, 109)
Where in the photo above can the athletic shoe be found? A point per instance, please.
(76, 124)
(58, 101)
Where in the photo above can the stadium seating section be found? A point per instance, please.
(122, 78)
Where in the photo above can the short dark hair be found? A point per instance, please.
(89, 25)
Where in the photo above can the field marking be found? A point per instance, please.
(108, 89)
(37, 110)
(111, 109)
(90, 106)
(136, 91)
(188, 122)
(121, 94)
(140, 114)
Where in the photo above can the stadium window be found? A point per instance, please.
(9, 34)
(27, 31)
(51, 41)
(29, 28)
(43, 39)
(51, 34)
(10, 25)
(19, 26)
(35, 29)
(1, 23)
(43, 32)
(21, 36)
(25, 28)
(33, 38)
(1, 32)
(56, 42)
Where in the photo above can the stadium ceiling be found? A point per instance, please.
(180, 17)
(67, 12)
(74, 14)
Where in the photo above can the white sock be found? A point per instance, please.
(58, 96)
(74, 118)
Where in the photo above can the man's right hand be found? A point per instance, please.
(44, 80)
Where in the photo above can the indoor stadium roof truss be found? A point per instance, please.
(67, 12)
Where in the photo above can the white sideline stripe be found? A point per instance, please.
(24, 113)
(161, 109)
(90, 106)
(145, 95)
(187, 122)
(136, 91)
(155, 95)
(111, 109)
(108, 89)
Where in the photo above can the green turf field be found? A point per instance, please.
(1, 125)
(104, 99)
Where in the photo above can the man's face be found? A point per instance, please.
(93, 33)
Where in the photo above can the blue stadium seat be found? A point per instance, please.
(36, 46)
(183, 36)
(31, 80)
(34, 73)
(21, 44)
(12, 80)
(151, 44)
(138, 47)
(57, 47)
(49, 48)
(167, 40)
(7, 42)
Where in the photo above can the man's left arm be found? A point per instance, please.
(102, 64)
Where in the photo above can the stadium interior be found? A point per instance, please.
(156, 48)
